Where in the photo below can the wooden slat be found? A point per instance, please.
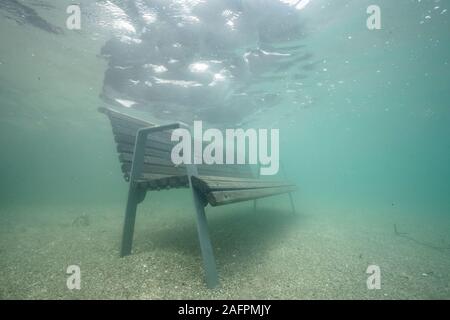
(125, 128)
(219, 170)
(125, 136)
(150, 171)
(209, 185)
(128, 157)
(233, 179)
(158, 141)
(129, 123)
(150, 177)
(146, 168)
(127, 139)
(151, 137)
(157, 182)
(129, 148)
(165, 182)
(222, 170)
(218, 198)
(248, 190)
(158, 149)
(125, 117)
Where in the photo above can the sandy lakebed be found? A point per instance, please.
(318, 254)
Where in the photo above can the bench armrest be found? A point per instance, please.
(139, 148)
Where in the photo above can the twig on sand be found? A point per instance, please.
(81, 221)
(406, 236)
(397, 232)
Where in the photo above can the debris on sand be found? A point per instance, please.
(81, 221)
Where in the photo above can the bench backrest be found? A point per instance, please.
(157, 162)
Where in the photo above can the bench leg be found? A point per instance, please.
(292, 203)
(209, 263)
(254, 205)
(135, 196)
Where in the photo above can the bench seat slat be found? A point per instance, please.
(221, 192)
(128, 157)
(164, 182)
(129, 148)
(218, 198)
(148, 168)
(128, 139)
(235, 178)
(226, 170)
(168, 170)
(223, 170)
(209, 185)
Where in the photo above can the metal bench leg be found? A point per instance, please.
(292, 203)
(209, 263)
(135, 196)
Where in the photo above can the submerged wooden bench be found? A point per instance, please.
(145, 155)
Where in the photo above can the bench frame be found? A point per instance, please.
(137, 193)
